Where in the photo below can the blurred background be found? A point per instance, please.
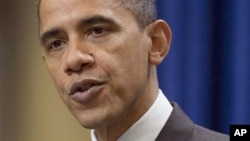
(206, 72)
(30, 109)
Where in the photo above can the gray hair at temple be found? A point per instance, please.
(143, 10)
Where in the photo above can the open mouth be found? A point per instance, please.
(84, 86)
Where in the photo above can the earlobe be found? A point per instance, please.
(43, 57)
(161, 37)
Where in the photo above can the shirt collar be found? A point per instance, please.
(148, 127)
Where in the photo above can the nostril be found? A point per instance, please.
(78, 61)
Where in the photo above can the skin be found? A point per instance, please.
(100, 40)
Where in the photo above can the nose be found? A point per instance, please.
(77, 59)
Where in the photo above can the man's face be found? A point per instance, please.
(97, 57)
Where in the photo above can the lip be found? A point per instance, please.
(84, 90)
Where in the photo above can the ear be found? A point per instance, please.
(44, 59)
(161, 36)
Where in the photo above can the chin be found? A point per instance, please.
(93, 122)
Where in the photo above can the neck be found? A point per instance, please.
(134, 112)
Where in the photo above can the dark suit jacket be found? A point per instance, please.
(180, 128)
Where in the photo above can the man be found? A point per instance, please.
(102, 56)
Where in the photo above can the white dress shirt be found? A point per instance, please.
(148, 127)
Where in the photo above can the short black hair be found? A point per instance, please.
(143, 10)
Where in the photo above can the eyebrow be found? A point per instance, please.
(97, 19)
(48, 34)
(88, 21)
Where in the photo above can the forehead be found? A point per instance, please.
(53, 11)
(69, 3)
(71, 6)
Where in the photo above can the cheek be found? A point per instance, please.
(126, 69)
(57, 77)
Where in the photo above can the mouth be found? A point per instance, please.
(84, 86)
(83, 91)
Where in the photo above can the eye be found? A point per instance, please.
(97, 31)
(55, 44)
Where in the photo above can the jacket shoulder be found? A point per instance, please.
(180, 128)
(204, 134)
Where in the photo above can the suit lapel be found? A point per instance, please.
(178, 127)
